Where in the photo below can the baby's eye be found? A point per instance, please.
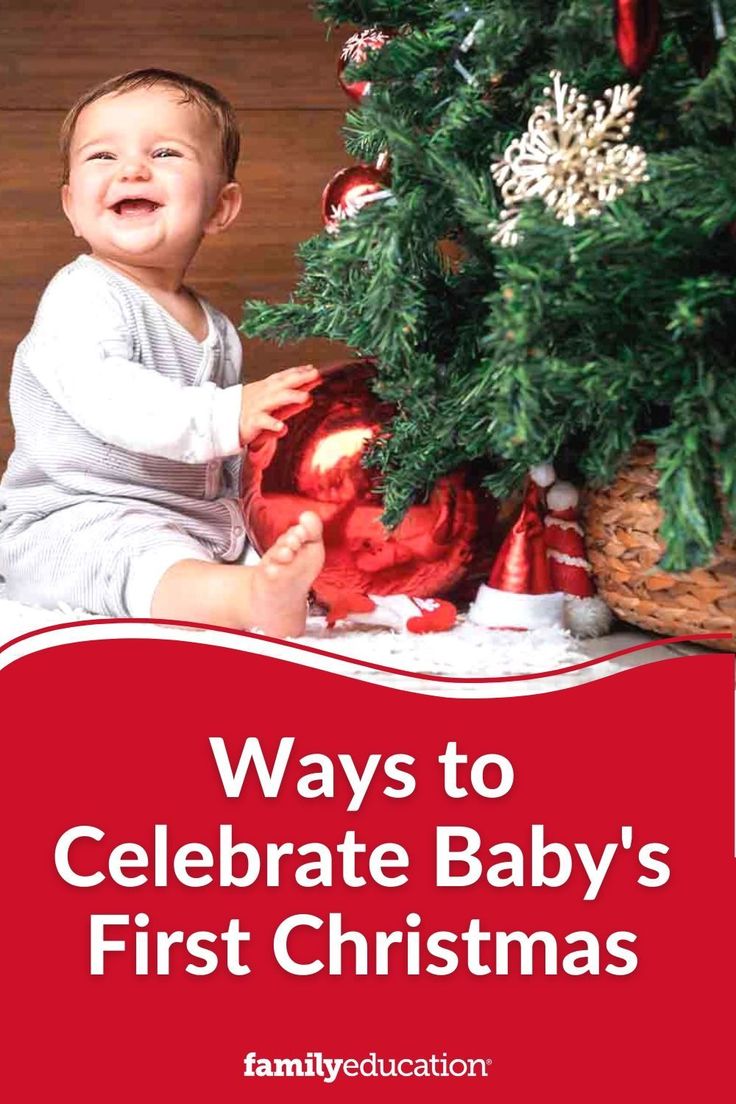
(166, 152)
(100, 155)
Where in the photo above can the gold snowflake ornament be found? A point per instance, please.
(573, 157)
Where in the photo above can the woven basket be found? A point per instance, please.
(622, 523)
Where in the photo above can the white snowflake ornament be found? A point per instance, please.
(573, 157)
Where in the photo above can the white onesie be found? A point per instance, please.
(124, 423)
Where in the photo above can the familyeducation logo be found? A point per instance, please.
(317, 1064)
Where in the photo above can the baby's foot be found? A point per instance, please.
(280, 583)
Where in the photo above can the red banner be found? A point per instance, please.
(233, 877)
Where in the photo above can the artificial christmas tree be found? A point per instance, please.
(590, 300)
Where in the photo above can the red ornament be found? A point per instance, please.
(354, 52)
(349, 190)
(317, 466)
(636, 30)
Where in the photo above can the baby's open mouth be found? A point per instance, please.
(135, 207)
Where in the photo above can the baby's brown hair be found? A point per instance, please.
(192, 91)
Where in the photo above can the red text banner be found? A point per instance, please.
(231, 877)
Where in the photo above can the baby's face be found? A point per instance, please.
(145, 178)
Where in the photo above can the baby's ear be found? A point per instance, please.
(226, 208)
(66, 203)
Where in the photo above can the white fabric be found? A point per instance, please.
(127, 445)
(147, 571)
(465, 650)
(503, 609)
(82, 352)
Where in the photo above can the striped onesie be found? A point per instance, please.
(127, 453)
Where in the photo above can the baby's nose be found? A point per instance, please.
(134, 168)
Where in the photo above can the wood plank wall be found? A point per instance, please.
(273, 62)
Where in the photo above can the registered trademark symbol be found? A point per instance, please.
(489, 1061)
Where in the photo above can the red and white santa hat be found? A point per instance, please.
(520, 593)
(570, 572)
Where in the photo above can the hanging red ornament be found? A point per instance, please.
(354, 52)
(453, 254)
(636, 30)
(702, 50)
(349, 191)
(702, 37)
(317, 466)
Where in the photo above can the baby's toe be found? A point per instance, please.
(295, 537)
(282, 553)
(311, 524)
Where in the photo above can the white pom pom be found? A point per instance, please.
(562, 496)
(543, 475)
(587, 617)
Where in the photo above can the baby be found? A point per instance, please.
(121, 494)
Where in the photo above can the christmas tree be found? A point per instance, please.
(547, 266)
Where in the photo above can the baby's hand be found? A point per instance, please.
(285, 391)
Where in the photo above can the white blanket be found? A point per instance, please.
(467, 651)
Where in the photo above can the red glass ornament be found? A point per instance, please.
(636, 30)
(349, 190)
(317, 466)
(354, 52)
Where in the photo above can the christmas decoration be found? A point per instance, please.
(702, 34)
(636, 30)
(520, 593)
(354, 52)
(464, 47)
(574, 159)
(394, 611)
(318, 466)
(719, 25)
(349, 191)
(575, 344)
(585, 614)
(452, 253)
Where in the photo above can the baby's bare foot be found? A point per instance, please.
(280, 583)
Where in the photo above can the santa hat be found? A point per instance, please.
(520, 593)
(569, 569)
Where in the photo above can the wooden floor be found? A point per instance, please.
(274, 64)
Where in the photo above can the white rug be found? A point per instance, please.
(466, 651)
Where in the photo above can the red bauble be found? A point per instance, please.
(636, 30)
(317, 466)
(354, 52)
(349, 190)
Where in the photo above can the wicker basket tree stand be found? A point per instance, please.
(622, 524)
